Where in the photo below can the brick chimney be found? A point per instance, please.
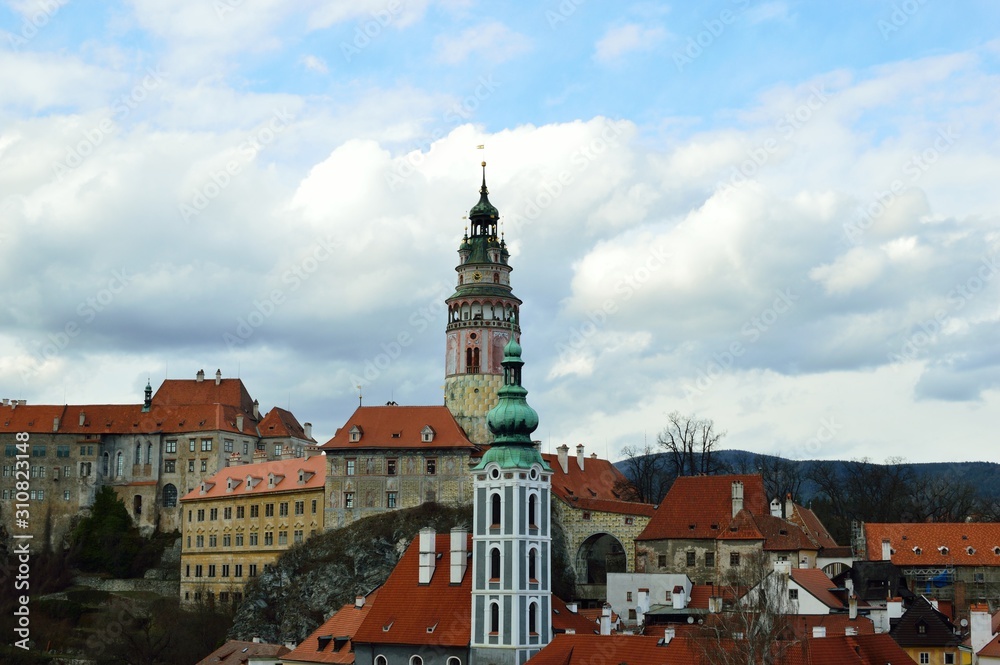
(459, 554)
(428, 557)
(579, 455)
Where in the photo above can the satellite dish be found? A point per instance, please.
(690, 619)
(964, 623)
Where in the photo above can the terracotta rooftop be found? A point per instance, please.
(700, 507)
(184, 392)
(992, 648)
(936, 543)
(818, 584)
(836, 624)
(281, 423)
(332, 641)
(400, 427)
(236, 652)
(593, 487)
(807, 519)
(284, 473)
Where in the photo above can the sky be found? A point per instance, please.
(780, 216)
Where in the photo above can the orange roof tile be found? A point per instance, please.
(593, 487)
(818, 584)
(780, 535)
(281, 423)
(400, 427)
(563, 620)
(322, 645)
(835, 624)
(699, 507)
(406, 609)
(183, 392)
(965, 543)
(621, 649)
(286, 478)
(814, 527)
(236, 652)
(992, 648)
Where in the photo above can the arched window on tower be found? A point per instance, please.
(106, 464)
(496, 278)
(495, 564)
(138, 454)
(533, 618)
(119, 464)
(169, 496)
(472, 360)
(494, 618)
(533, 510)
(149, 453)
(533, 564)
(496, 510)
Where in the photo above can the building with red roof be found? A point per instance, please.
(150, 452)
(242, 518)
(332, 641)
(707, 524)
(238, 652)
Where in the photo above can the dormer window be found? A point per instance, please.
(943, 550)
(917, 551)
(427, 434)
(355, 434)
(970, 550)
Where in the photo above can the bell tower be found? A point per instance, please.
(482, 318)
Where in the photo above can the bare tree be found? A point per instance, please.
(862, 490)
(647, 474)
(782, 477)
(756, 628)
(690, 444)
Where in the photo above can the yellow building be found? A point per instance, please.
(242, 518)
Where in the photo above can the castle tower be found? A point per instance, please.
(482, 317)
(511, 543)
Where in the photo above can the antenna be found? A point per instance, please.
(359, 393)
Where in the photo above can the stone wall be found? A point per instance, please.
(470, 397)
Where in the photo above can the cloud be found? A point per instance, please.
(490, 41)
(315, 64)
(624, 39)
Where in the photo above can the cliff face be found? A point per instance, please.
(309, 582)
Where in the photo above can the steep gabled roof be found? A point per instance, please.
(780, 535)
(700, 507)
(818, 584)
(407, 612)
(936, 543)
(835, 624)
(400, 427)
(332, 642)
(285, 474)
(937, 630)
(281, 423)
(623, 649)
(236, 652)
(992, 648)
(593, 487)
(183, 392)
(807, 519)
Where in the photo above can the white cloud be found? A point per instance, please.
(631, 37)
(491, 41)
(315, 64)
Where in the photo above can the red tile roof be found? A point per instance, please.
(620, 649)
(235, 652)
(281, 423)
(700, 507)
(992, 648)
(818, 584)
(183, 392)
(700, 593)
(781, 535)
(814, 527)
(400, 427)
(966, 543)
(835, 624)
(406, 610)
(321, 645)
(286, 478)
(593, 487)
(564, 621)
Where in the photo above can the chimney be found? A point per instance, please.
(256, 410)
(359, 601)
(894, 608)
(775, 507)
(606, 619)
(239, 423)
(715, 604)
(83, 418)
(819, 631)
(678, 598)
(459, 554)
(427, 555)
(886, 550)
(6, 401)
(850, 630)
(737, 497)
(789, 506)
(200, 376)
(235, 459)
(218, 376)
(563, 452)
(579, 455)
(257, 640)
(981, 630)
(669, 634)
(55, 424)
(852, 607)
(307, 428)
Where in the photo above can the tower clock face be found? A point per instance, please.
(477, 275)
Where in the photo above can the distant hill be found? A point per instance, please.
(985, 476)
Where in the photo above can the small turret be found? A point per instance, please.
(147, 401)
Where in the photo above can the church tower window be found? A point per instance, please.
(495, 564)
(495, 511)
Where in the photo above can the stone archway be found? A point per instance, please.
(599, 554)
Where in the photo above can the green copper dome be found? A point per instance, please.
(512, 421)
(484, 208)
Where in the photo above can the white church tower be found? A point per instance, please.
(511, 546)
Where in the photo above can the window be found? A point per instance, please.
(227, 513)
(314, 506)
(925, 657)
(282, 537)
(211, 570)
(171, 446)
(238, 570)
(239, 540)
(495, 564)
(213, 540)
(690, 558)
(240, 512)
(169, 496)
(227, 445)
(268, 510)
(496, 511)
(628, 596)
(253, 570)
(255, 510)
(65, 495)
(197, 570)
(629, 521)
(199, 541)
(710, 559)
(661, 561)
(390, 467)
(949, 659)
(62, 451)
(213, 514)
(734, 558)
(201, 514)
(227, 540)
(494, 618)
(380, 660)
(298, 536)
(283, 509)
(532, 510)
(277, 450)
(922, 628)
(533, 618)
(253, 539)
(204, 466)
(191, 445)
(138, 455)
(119, 464)
(300, 507)
(586, 516)
(39, 451)
(191, 466)
(454, 660)
(793, 594)
(348, 499)
(268, 538)
(431, 467)
(104, 463)
(246, 447)
(533, 564)
(170, 466)
(206, 445)
(416, 660)
(350, 467)
(390, 500)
